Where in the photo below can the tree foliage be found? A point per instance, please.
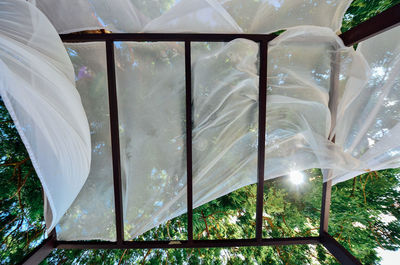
(21, 203)
(365, 214)
(359, 220)
(365, 211)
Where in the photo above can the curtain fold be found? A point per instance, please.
(37, 86)
(205, 16)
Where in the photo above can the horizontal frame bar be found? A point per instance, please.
(200, 37)
(220, 243)
(382, 22)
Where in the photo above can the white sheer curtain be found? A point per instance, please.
(222, 16)
(368, 124)
(150, 80)
(37, 87)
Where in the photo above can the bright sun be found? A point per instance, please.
(296, 177)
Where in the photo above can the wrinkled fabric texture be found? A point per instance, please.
(347, 131)
(206, 16)
(37, 87)
(368, 119)
(151, 92)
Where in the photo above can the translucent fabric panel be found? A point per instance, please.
(225, 106)
(80, 15)
(369, 123)
(37, 87)
(69, 16)
(194, 16)
(298, 117)
(272, 15)
(213, 16)
(151, 104)
(91, 216)
(151, 98)
(225, 117)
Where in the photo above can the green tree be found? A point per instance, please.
(365, 214)
(21, 203)
(357, 221)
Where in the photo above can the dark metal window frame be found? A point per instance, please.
(382, 22)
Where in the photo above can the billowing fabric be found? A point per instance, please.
(37, 87)
(267, 16)
(151, 97)
(368, 118)
(300, 63)
(212, 16)
(347, 131)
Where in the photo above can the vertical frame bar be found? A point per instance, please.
(334, 247)
(114, 125)
(326, 203)
(262, 109)
(189, 161)
(332, 104)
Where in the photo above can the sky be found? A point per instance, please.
(389, 257)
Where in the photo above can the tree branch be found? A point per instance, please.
(145, 256)
(205, 222)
